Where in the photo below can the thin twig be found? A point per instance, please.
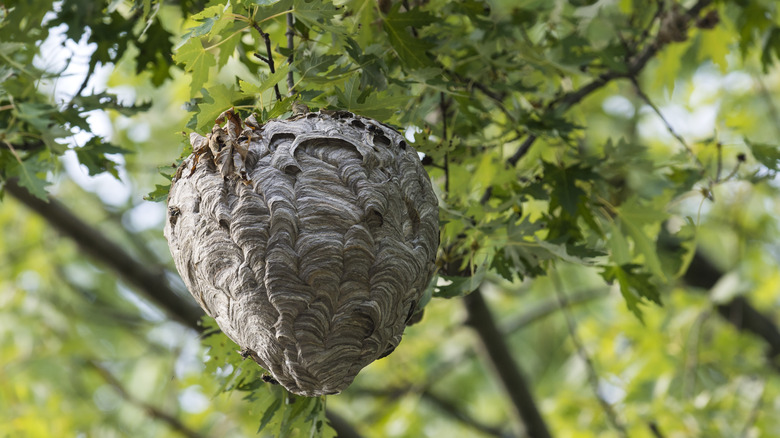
(593, 377)
(393, 394)
(451, 409)
(154, 412)
(522, 150)
(290, 46)
(646, 99)
(692, 358)
(443, 109)
(534, 313)
(270, 59)
(646, 31)
(770, 103)
(754, 413)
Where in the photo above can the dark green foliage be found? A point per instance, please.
(508, 102)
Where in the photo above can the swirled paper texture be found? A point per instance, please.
(309, 240)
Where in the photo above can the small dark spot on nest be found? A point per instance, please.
(267, 378)
(173, 215)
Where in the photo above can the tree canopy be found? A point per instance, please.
(607, 180)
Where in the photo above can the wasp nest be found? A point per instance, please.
(309, 240)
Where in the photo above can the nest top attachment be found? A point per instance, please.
(309, 240)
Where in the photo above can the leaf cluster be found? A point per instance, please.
(281, 413)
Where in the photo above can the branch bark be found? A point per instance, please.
(451, 409)
(703, 274)
(270, 59)
(290, 33)
(153, 411)
(148, 281)
(340, 425)
(481, 320)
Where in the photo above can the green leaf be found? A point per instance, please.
(459, 286)
(766, 154)
(269, 414)
(410, 50)
(154, 53)
(771, 49)
(316, 64)
(635, 218)
(32, 175)
(316, 14)
(377, 105)
(93, 155)
(502, 265)
(197, 61)
(565, 192)
(619, 246)
(216, 100)
(635, 286)
(266, 83)
(159, 194)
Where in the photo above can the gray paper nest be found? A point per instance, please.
(310, 241)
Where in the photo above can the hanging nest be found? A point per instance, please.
(309, 240)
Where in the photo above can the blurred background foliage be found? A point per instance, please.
(592, 158)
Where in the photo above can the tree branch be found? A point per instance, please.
(455, 412)
(270, 59)
(633, 68)
(154, 412)
(340, 425)
(149, 281)
(739, 312)
(481, 320)
(538, 311)
(290, 33)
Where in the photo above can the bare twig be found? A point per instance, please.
(481, 320)
(666, 123)
(754, 413)
(593, 377)
(541, 310)
(692, 358)
(646, 31)
(455, 412)
(522, 150)
(443, 109)
(154, 412)
(290, 46)
(270, 59)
